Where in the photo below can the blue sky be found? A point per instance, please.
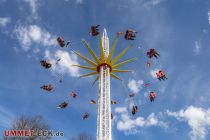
(178, 29)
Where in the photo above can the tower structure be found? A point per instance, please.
(104, 67)
(104, 105)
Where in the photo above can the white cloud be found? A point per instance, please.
(197, 118)
(33, 35)
(152, 3)
(197, 47)
(5, 117)
(4, 21)
(79, 1)
(120, 109)
(131, 126)
(209, 16)
(204, 31)
(27, 35)
(153, 72)
(65, 64)
(33, 6)
(135, 86)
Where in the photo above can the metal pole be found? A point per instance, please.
(104, 105)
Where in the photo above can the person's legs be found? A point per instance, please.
(133, 112)
(164, 77)
(133, 35)
(67, 43)
(155, 55)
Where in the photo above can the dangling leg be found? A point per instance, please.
(133, 35)
(150, 99)
(68, 43)
(131, 38)
(155, 55)
(165, 77)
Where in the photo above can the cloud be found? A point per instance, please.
(27, 35)
(135, 86)
(209, 16)
(204, 31)
(197, 118)
(33, 6)
(153, 72)
(4, 21)
(33, 35)
(65, 64)
(131, 126)
(79, 1)
(120, 109)
(152, 3)
(197, 47)
(5, 117)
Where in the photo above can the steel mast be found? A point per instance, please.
(104, 105)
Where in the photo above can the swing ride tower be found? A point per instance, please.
(104, 102)
(104, 67)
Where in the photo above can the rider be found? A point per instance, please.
(92, 101)
(73, 94)
(62, 105)
(62, 43)
(85, 116)
(94, 30)
(134, 110)
(113, 102)
(45, 64)
(152, 52)
(152, 96)
(161, 75)
(130, 34)
(47, 87)
(131, 95)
